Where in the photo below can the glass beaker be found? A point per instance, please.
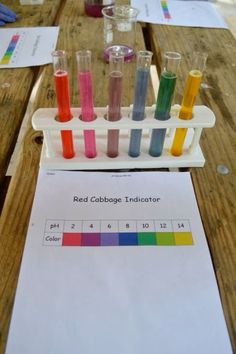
(120, 30)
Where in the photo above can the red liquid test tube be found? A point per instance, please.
(61, 82)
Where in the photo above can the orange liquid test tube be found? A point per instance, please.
(190, 92)
(61, 82)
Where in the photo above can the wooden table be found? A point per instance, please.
(216, 194)
(16, 84)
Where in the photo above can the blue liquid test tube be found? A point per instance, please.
(144, 59)
(164, 99)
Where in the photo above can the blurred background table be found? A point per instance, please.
(28, 89)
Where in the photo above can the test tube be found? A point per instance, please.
(61, 82)
(144, 59)
(116, 60)
(164, 100)
(190, 92)
(84, 77)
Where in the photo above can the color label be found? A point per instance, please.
(87, 233)
(10, 49)
(165, 9)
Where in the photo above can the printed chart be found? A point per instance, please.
(179, 13)
(116, 262)
(117, 233)
(10, 49)
(165, 9)
(21, 47)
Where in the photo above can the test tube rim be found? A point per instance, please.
(59, 53)
(172, 55)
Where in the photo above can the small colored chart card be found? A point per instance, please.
(179, 13)
(22, 47)
(116, 263)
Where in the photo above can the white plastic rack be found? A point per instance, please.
(51, 157)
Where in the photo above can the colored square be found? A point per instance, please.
(71, 239)
(15, 37)
(4, 60)
(8, 53)
(183, 238)
(128, 239)
(165, 238)
(90, 239)
(146, 238)
(109, 239)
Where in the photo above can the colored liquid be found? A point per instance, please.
(94, 10)
(64, 114)
(128, 52)
(138, 109)
(190, 92)
(114, 112)
(87, 112)
(62, 93)
(86, 95)
(178, 142)
(162, 112)
(165, 96)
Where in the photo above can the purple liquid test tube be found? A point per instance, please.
(84, 77)
(116, 60)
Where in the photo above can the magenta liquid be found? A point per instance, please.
(94, 10)
(128, 52)
(87, 112)
(114, 112)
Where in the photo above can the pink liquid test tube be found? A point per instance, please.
(116, 60)
(61, 82)
(84, 77)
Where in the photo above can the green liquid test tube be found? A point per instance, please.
(164, 100)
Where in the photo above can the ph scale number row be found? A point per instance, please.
(87, 233)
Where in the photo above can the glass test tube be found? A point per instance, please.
(61, 82)
(116, 60)
(190, 92)
(84, 77)
(144, 59)
(164, 100)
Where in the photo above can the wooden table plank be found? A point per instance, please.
(16, 84)
(76, 32)
(216, 193)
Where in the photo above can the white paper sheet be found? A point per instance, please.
(116, 299)
(179, 13)
(30, 46)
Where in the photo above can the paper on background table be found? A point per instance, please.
(179, 13)
(27, 46)
(116, 299)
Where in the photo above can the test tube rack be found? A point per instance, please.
(44, 119)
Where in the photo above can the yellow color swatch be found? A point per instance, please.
(183, 238)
